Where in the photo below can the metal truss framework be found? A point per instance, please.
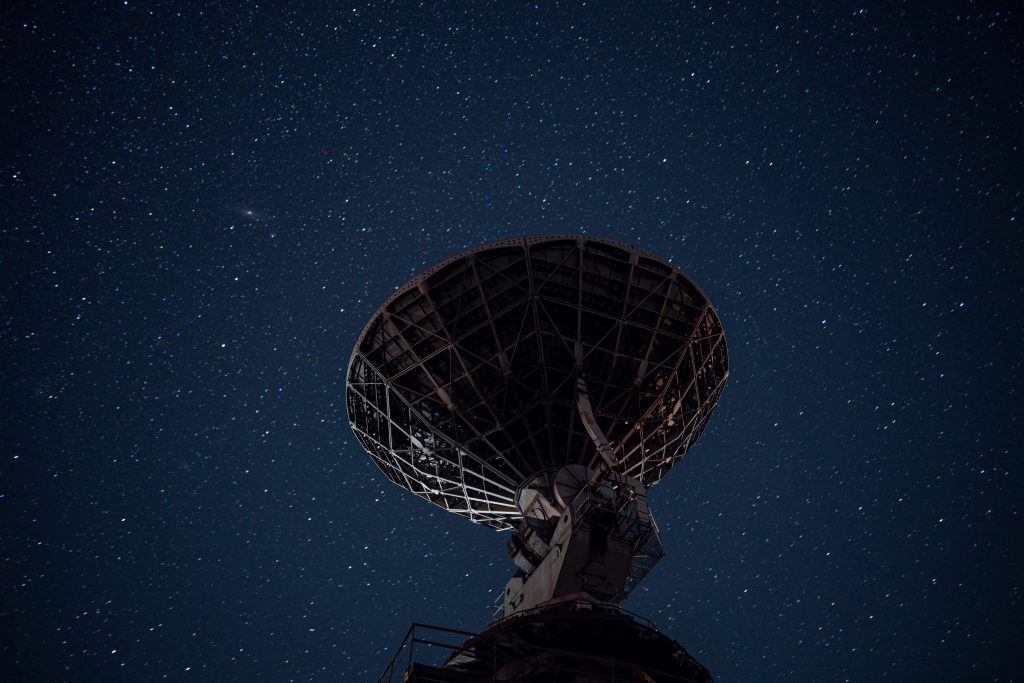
(463, 384)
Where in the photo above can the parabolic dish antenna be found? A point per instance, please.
(471, 378)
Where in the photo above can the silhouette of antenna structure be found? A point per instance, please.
(541, 385)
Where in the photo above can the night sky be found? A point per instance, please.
(203, 207)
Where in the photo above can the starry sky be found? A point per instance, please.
(202, 208)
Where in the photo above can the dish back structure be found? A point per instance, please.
(464, 384)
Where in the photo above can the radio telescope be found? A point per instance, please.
(541, 385)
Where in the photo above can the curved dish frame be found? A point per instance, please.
(462, 385)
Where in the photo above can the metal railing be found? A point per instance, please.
(431, 649)
(644, 539)
(428, 645)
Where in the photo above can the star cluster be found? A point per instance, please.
(203, 204)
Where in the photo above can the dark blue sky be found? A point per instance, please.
(203, 207)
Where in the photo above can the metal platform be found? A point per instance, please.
(572, 641)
